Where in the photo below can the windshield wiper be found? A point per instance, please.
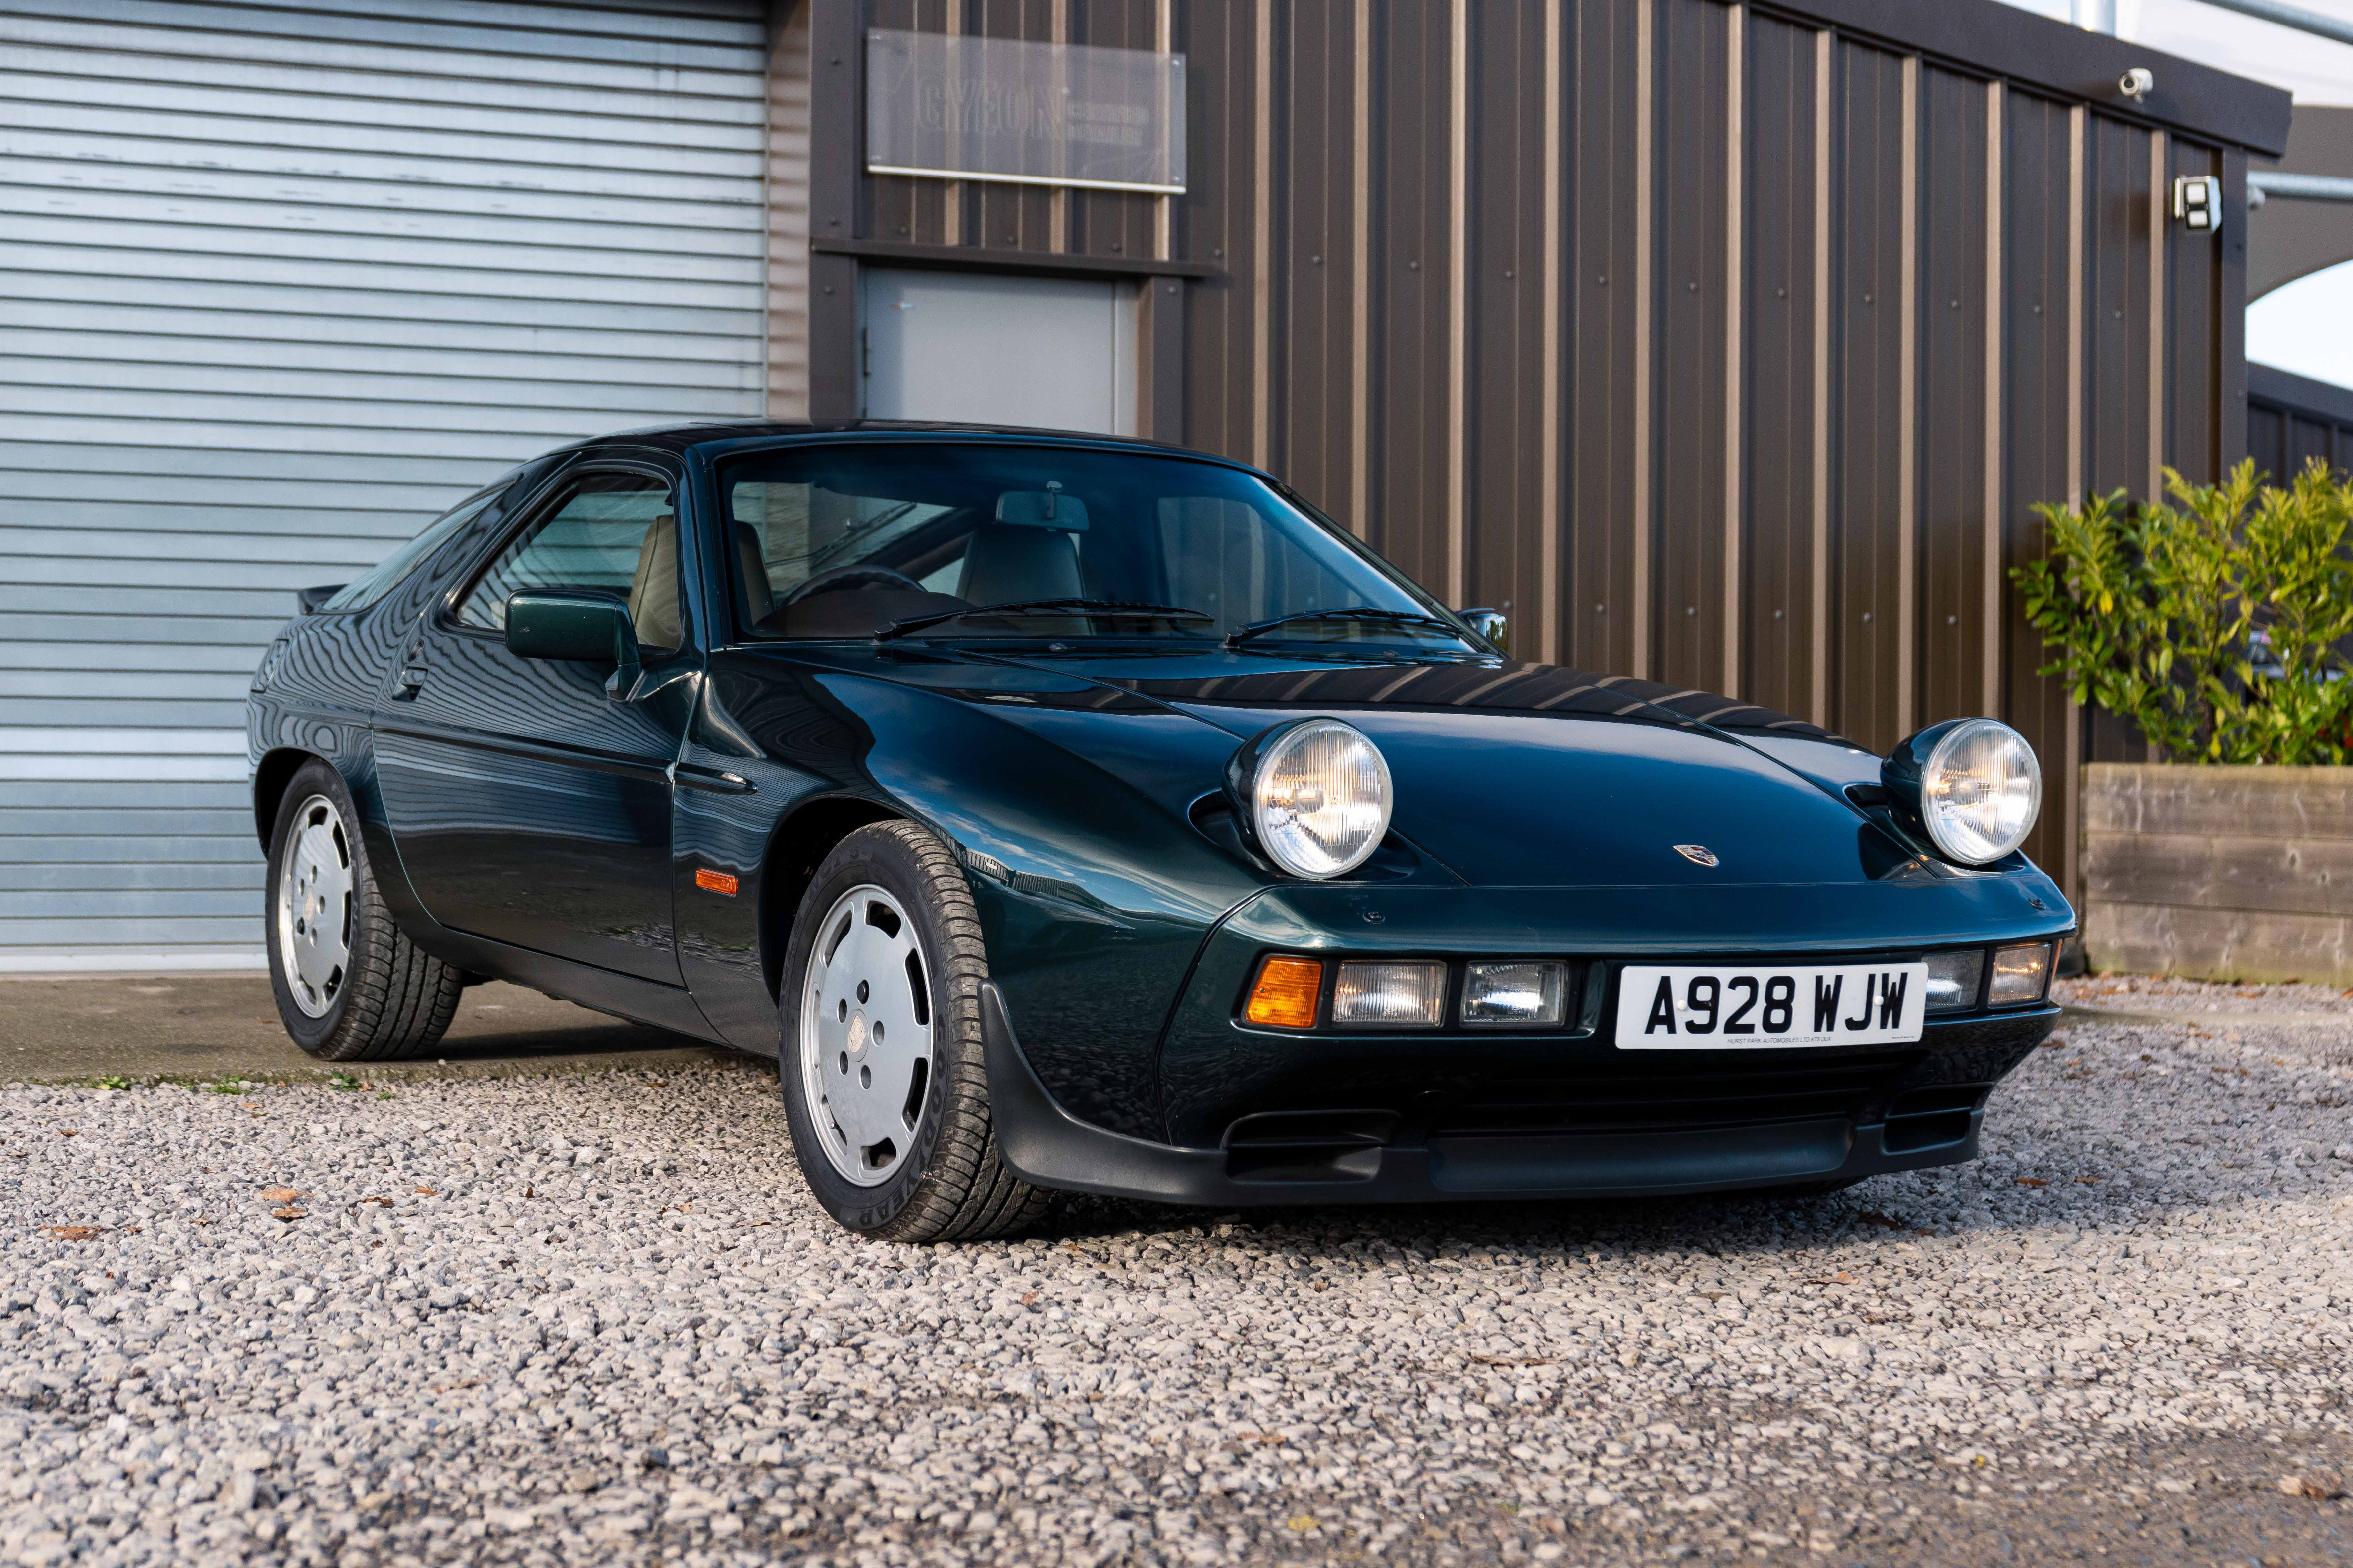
(1240, 634)
(1040, 607)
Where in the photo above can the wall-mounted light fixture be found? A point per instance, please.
(2198, 202)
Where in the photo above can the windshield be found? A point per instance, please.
(844, 541)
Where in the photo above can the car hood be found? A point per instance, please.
(1509, 775)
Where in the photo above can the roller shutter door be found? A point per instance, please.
(278, 284)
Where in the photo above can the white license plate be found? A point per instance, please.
(1712, 1008)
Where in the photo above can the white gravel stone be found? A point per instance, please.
(595, 1318)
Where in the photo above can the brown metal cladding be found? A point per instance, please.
(1867, 501)
(1777, 365)
(1687, 579)
(1728, 345)
(2038, 159)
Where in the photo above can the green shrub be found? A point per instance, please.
(2160, 614)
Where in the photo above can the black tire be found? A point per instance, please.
(391, 999)
(950, 1185)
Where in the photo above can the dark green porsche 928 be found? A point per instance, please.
(1075, 813)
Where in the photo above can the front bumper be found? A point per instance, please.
(1789, 1117)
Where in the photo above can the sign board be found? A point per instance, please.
(957, 107)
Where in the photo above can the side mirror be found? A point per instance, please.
(575, 624)
(1491, 624)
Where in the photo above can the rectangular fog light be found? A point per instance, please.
(1525, 993)
(2020, 974)
(1953, 980)
(1389, 994)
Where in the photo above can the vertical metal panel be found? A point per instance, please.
(1817, 658)
(1779, 365)
(1953, 399)
(1868, 335)
(1412, 417)
(1360, 275)
(1645, 389)
(1552, 575)
(788, 198)
(1735, 333)
(2038, 164)
(295, 289)
(1502, 428)
(1458, 292)
(2193, 435)
(1321, 334)
(1607, 423)
(1907, 408)
(1688, 582)
(1221, 345)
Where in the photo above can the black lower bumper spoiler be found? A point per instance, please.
(1043, 1143)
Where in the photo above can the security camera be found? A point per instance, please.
(2136, 83)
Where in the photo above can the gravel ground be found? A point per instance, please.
(594, 1319)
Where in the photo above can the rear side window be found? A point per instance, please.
(616, 532)
(387, 573)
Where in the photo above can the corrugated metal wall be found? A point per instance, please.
(276, 286)
(1724, 344)
(2292, 419)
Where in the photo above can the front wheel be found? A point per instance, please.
(350, 985)
(885, 1082)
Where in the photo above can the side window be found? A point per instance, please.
(614, 532)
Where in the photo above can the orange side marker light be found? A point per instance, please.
(1287, 993)
(712, 881)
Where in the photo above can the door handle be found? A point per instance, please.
(411, 674)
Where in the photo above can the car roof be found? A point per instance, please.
(688, 435)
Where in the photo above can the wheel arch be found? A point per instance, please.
(797, 846)
(270, 777)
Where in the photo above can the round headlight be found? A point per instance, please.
(1981, 789)
(1319, 798)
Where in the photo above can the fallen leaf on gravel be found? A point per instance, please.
(386, 1203)
(2319, 1486)
(280, 1195)
(1872, 1216)
(427, 1192)
(74, 1232)
(66, 1131)
(290, 1213)
(2032, 1182)
(462, 1383)
(1513, 1359)
(2088, 1181)
(1301, 1523)
(1030, 1299)
(1843, 1278)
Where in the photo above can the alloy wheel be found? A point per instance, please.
(866, 1034)
(315, 883)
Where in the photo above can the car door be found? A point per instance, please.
(529, 799)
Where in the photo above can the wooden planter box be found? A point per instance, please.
(2219, 873)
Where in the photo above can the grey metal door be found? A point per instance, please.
(278, 284)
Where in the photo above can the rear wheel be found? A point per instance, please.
(350, 985)
(884, 1080)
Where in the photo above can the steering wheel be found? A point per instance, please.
(842, 578)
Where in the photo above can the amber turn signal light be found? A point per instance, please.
(1286, 994)
(712, 881)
